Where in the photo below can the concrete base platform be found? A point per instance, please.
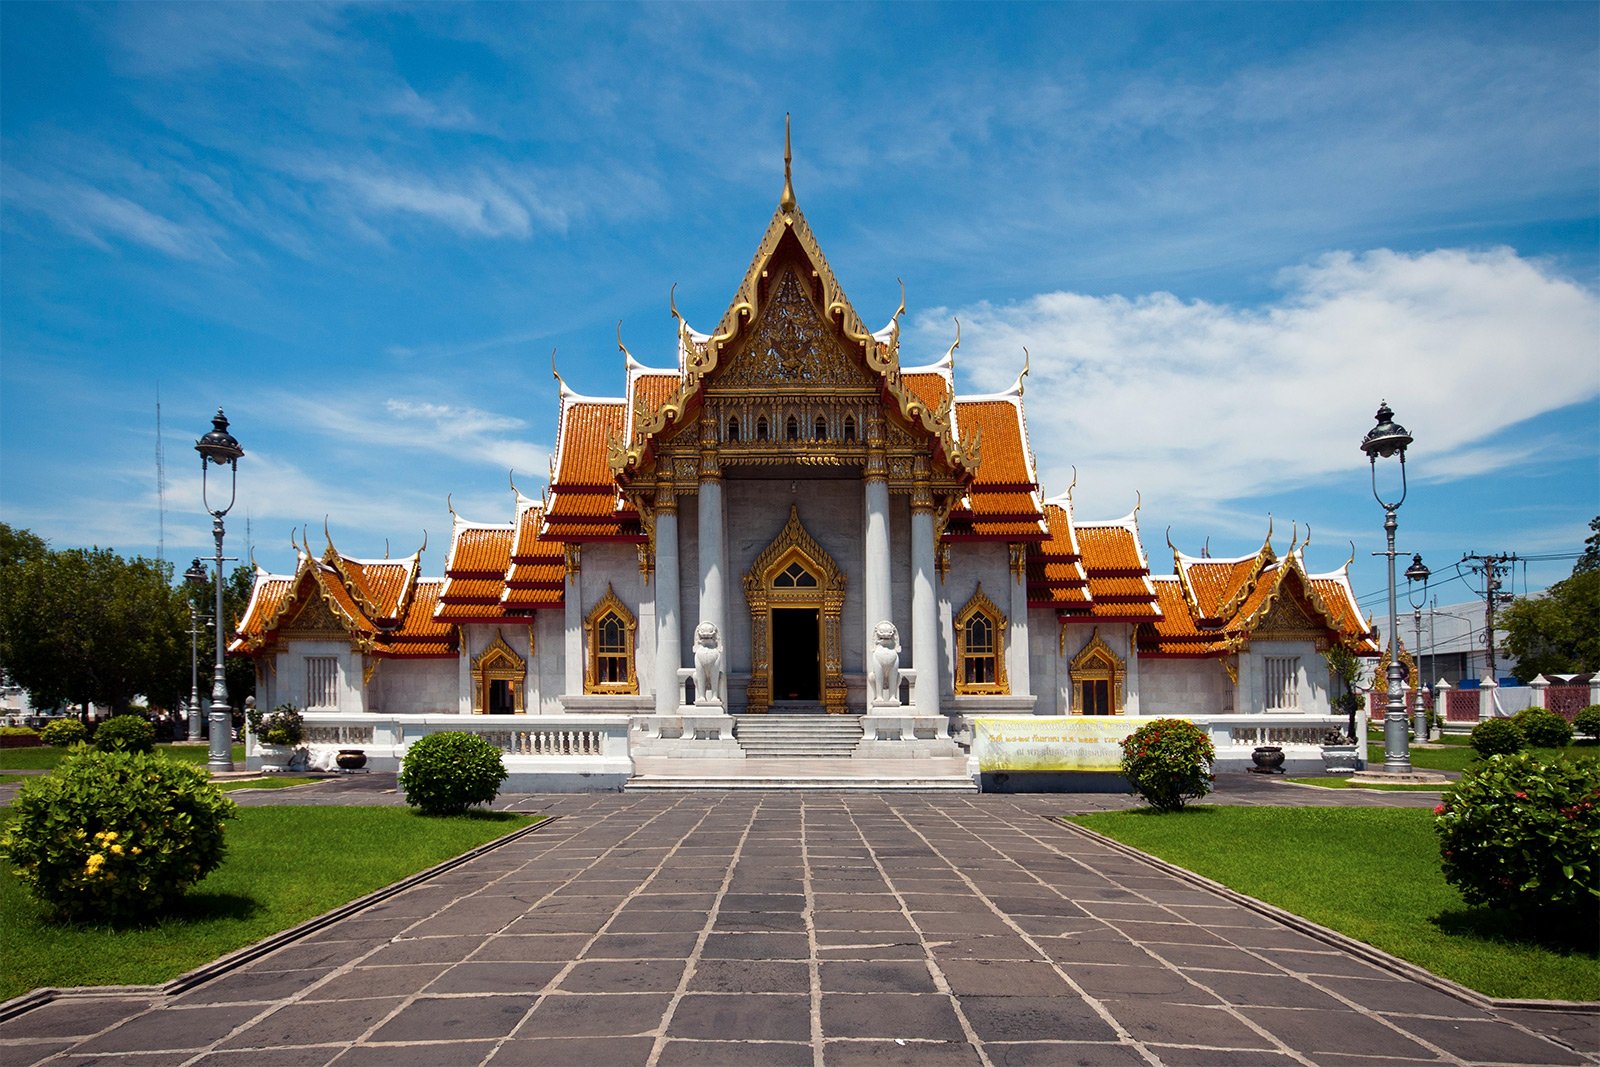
(946, 774)
(1375, 776)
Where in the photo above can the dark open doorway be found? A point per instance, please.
(796, 654)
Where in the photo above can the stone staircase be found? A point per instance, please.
(797, 736)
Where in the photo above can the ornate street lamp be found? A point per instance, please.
(195, 576)
(1386, 439)
(220, 447)
(1418, 572)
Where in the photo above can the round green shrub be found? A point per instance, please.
(1497, 737)
(64, 733)
(18, 731)
(125, 733)
(1543, 729)
(446, 773)
(283, 725)
(115, 836)
(1523, 834)
(1168, 762)
(1587, 722)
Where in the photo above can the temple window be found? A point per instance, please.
(733, 429)
(322, 682)
(980, 647)
(1283, 682)
(761, 428)
(794, 576)
(822, 428)
(849, 428)
(1097, 677)
(791, 429)
(610, 630)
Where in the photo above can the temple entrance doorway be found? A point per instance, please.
(796, 655)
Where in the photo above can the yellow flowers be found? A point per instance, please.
(96, 861)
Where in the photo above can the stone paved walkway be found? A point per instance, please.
(817, 930)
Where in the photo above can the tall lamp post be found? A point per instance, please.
(1418, 572)
(219, 447)
(195, 576)
(1386, 439)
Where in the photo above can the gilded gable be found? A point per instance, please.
(793, 346)
(315, 619)
(1288, 620)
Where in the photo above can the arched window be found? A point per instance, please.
(761, 428)
(791, 429)
(980, 647)
(822, 428)
(849, 428)
(1097, 675)
(794, 576)
(610, 630)
(733, 429)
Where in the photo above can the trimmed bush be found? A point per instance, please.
(18, 731)
(64, 733)
(283, 725)
(1168, 762)
(125, 733)
(1543, 729)
(1497, 737)
(1522, 834)
(115, 836)
(1587, 722)
(446, 773)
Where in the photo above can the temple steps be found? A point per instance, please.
(797, 736)
(858, 775)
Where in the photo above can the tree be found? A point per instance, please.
(1559, 632)
(85, 625)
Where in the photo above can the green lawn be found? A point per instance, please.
(284, 865)
(277, 781)
(1370, 873)
(45, 758)
(1455, 756)
(1336, 782)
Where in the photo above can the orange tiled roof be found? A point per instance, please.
(929, 386)
(1003, 503)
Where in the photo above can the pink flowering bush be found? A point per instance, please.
(115, 836)
(1522, 834)
(1168, 762)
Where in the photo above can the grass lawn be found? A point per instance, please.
(284, 865)
(1456, 757)
(279, 781)
(1335, 782)
(1370, 873)
(45, 757)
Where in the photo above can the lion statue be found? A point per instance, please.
(883, 666)
(707, 665)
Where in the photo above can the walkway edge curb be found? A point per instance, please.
(38, 998)
(1361, 949)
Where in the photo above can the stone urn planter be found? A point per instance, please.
(351, 759)
(1268, 759)
(1340, 753)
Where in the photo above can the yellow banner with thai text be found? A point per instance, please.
(1051, 742)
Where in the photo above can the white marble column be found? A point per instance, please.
(875, 582)
(669, 651)
(710, 549)
(1018, 654)
(572, 620)
(924, 609)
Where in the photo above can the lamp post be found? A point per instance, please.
(1418, 572)
(220, 447)
(195, 576)
(1386, 439)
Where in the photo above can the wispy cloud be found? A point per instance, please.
(1198, 403)
(103, 219)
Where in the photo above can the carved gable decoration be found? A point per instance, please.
(1288, 620)
(315, 618)
(792, 345)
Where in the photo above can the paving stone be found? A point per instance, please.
(295, 1024)
(1278, 991)
(1178, 1056)
(890, 1015)
(1062, 1054)
(423, 950)
(1333, 1031)
(430, 1054)
(624, 976)
(28, 1053)
(377, 982)
(1390, 996)
(1146, 983)
(1210, 957)
(474, 977)
(172, 1028)
(70, 1017)
(754, 1017)
(998, 947)
(281, 1056)
(601, 1051)
(1034, 1019)
(596, 1015)
(642, 946)
(1213, 1026)
(656, 922)
(886, 976)
(720, 946)
(1491, 1042)
(1072, 951)
(1013, 978)
(530, 948)
(878, 1053)
(735, 1054)
(777, 922)
(750, 976)
(463, 1018)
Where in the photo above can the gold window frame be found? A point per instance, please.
(1096, 662)
(981, 605)
(610, 604)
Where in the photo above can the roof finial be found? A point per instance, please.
(626, 355)
(385, 548)
(950, 356)
(787, 203)
(1074, 484)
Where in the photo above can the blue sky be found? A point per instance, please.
(1223, 232)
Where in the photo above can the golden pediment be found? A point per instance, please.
(791, 346)
(1288, 620)
(315, 619)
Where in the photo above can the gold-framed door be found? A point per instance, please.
(795, 572)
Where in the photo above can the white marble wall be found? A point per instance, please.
(1184, 687)
(413, 687)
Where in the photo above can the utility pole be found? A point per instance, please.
(1492, 567)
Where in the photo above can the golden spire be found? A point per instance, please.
(787, 204)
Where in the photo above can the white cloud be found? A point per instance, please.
(98, 217)
(1198, 403)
